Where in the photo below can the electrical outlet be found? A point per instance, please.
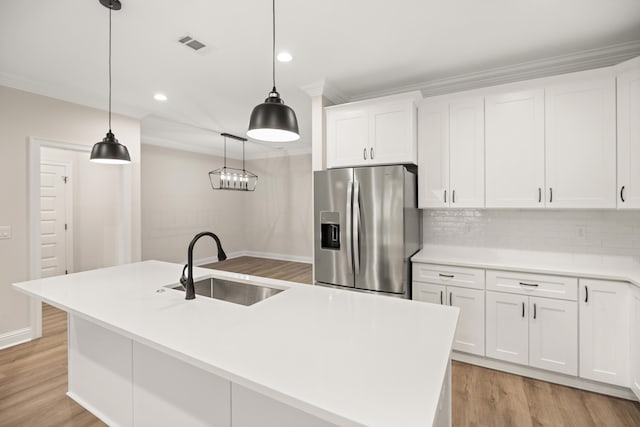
(582, 233)
(5, 232)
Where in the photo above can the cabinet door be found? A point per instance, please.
(470, 331)
(347, 137)
(515, 150)
(508, 327)
(553, 335)
(433, 155)
(466, 151)
(581, 144)
(393, 133)
(635, 342)
(428, 292)
(604, 331)
(628, 192)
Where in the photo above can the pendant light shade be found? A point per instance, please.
(109, 150)
(272, 120)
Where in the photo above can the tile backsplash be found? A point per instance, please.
(590, 231)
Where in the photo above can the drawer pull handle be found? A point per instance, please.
(550, 195)
(622, 194)
(530, 284)
(364, 153)
(453, 196)
(523, 309)
(441, 297)
(586, 294)
(539, 195)
(535, 313)
(450, 276)
(445, 196)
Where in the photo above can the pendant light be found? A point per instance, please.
(109, 150)
(272, 120)
(225, 178)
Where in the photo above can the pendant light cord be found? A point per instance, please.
(110, 10)
(273, 57)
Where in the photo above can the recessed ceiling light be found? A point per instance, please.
(160, 97)
(284, 57)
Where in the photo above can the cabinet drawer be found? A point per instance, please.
(540, 285)
(448, 275)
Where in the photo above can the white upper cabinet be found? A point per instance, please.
(433, 154)
(451, 153)
(628, 193)
(514, 150)
(373, 132)
(604, 331)
(580, 124)
(466, 150)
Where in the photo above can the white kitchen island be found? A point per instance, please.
(141, 355)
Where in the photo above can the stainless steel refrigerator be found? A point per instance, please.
(367, 226)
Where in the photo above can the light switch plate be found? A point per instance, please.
(5, 232)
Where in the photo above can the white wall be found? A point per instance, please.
(280, 216)
(24, 115)
(95, 213)
(575, 231)
(178, 202)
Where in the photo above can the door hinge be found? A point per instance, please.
(65, 179)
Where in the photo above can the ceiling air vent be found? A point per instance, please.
(192, 43)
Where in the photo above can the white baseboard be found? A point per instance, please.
(12, 338)
(542, 375)
(268, 255)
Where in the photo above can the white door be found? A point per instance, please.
(347, 137)
(604, 331)
(433, 155)
(393, 133)
(628, 193)
(514, 150)
(55, 249)
(470, 331)
(466, 152)
(508, 327)
(553, 335)
(580, 123)
(429, 292)
(635, 342)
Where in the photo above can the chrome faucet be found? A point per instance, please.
(187, 281)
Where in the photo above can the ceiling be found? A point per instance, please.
(360, 47)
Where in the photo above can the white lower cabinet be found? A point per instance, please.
(635, 342)
(604, 331)
(538, 332)
(470, 330)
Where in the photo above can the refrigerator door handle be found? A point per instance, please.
(349, 226)
(356, 227)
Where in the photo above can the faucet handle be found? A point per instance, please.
(183, 277)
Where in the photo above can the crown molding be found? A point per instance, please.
(322, 88)
(300, 149)
(561, 64)
(61, 92)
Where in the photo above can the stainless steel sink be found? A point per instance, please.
(227, 290)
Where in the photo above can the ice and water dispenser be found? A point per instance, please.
(330, 230)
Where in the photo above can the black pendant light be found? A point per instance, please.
(273, 120)
(109, 150)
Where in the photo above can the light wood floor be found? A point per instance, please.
(293, 271)
(33, 381)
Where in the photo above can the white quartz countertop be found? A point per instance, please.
(349, 358)
(605, 267)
